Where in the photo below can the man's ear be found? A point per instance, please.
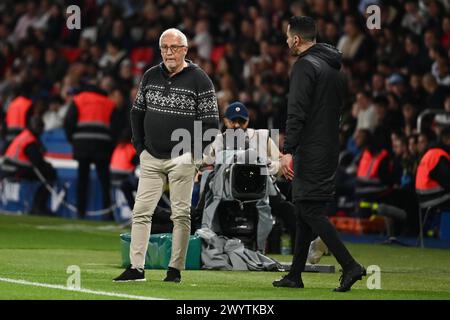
(296, 40)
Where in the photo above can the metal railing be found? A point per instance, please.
(426, 112)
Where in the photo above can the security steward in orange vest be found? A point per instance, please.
(123, 163)
(89, 126)
(433, 174)
(24, 157)
(374, 174)
(18, 113)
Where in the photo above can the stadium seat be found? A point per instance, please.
(140, 58)
(217, 53)
(428, 208)
(71, 54)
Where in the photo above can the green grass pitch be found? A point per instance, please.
(39, 250)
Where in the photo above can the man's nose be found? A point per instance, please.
(237, 125)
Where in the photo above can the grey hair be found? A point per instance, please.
(176, 32)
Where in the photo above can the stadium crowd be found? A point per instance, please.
(393, 73)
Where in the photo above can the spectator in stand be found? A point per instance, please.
(26, 21)
(413, 151)
(111, 60)
(413, 20)
(364, 111)
(436, 53)
(203, 40)
(404, 167)
(434, 11)
(417, 93)
(54, 116)
(353, 44)
(436, 94)
(385, 125)
(445, 38)
(443, 120)
(415, 58)
(55, 66)
(443, 75)
(396, 85)
(378, 85)
(409, 111)
(423, 142)
(331, 33)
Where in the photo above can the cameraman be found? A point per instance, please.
(236, 118)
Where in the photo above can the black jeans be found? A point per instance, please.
(103, 173)
(312, 222)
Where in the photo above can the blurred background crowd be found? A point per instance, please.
(393, 73)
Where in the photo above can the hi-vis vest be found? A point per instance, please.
(368, 172)
(16, 150)
(16, 115)
(424, 184)
(369, 165)
(94, 116)
(122, 157)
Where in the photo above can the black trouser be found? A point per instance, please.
(312, 221)
(285, 211)
(102, 168)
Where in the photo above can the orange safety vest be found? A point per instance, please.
(424, 184)
(16, 113)
(94, 112)
(16, 150)
(122, 157)
(369, 165)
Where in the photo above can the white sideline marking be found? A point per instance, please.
(60, 287)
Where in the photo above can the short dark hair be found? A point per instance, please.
(303, 26)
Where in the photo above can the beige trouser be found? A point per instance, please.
(154, 174)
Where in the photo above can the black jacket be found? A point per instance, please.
(316, 96)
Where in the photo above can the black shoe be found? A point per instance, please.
(285, 282)
(131, 275)
(348, 278)
(173, 275)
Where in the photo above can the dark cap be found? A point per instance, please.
(236, 110)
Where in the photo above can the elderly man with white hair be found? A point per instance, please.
(172, 95)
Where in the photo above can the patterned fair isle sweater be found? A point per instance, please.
(164, 104)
